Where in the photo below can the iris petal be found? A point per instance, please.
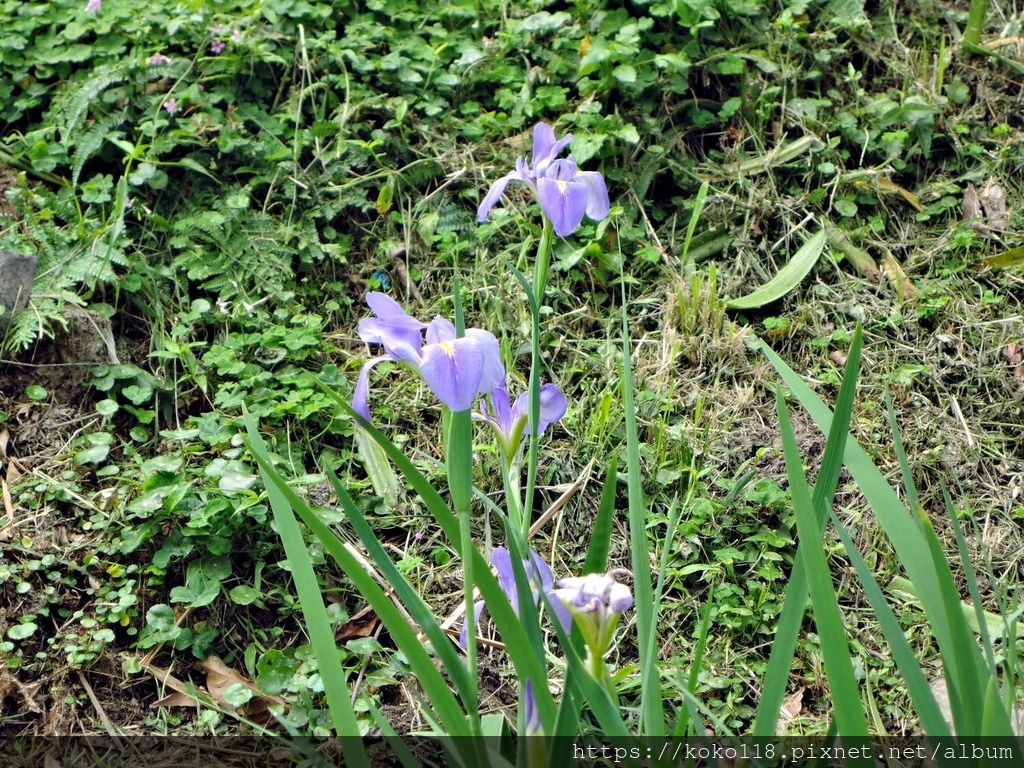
(494, 195)
(502, 562)
(562, 613)
(493, 373)
(361, 395)
(563, 202)
(452, 370)
(478, 609)
(545, 147)
(384, 306)
(553, 406)
(598, 204)
(440, 330)
(502, 414)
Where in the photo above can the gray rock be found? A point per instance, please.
(17, 272)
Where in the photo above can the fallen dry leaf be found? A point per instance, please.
(885, 184)
(993, 199)
(792, 706)
(362, 624)
(176, 700)
(1014, 354)
(10, 685)
(971, 204)
(219, 678)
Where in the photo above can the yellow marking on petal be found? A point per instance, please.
(561, 185)
(448, 348)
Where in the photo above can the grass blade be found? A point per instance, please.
(842, 682)
(453, 663)
(932, 721)
(600, 542)
(794, 606)
(652, 717)
(313, 611)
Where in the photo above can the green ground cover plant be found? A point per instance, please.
(785, 332)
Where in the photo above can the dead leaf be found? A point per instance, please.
(897, 277)
(971, 204)
(885, 184)
(14, 468)
(11, 685)
(5, 491)
(362, 624)
(219, 678)
(165, 678)
(993, 199)
(1014, 354)
(792, 706)
(176, 700)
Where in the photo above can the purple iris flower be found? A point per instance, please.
(541, 579)
(509, 421)
(457, 370)
(565, 192)
(596, 601)
(531, 715)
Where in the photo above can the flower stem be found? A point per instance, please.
(540, 270)
(540, 277)
(510, 471)
(458, 446)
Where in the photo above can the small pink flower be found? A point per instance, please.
(171, 106)
(94, 6)
(158, 60)
(217, 47)
(236, 35)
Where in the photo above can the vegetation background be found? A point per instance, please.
(211, 188)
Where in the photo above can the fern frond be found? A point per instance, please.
(72, 102)
(88, 143)
(452, 217)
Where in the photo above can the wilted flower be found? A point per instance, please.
(565, 192)
(94, 6)
(158, 60)
(217, 47)
(596, 602)
(541, 579)
(457, 370)
(509, 421)
(171, 106)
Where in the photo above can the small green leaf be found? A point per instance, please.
(93, 455)
(238, 695)
(36, 392)
(624, 73)
(243, 595)
(107, 407)
(787, 278)
(21, 631)
(846, 208)
(138, 395)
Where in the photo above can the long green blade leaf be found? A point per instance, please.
(652, 720)
(600, 541)
(313, 610)
(786, 279)
(932, 721)
(842, 681)
(791, 619)
(414, 604)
